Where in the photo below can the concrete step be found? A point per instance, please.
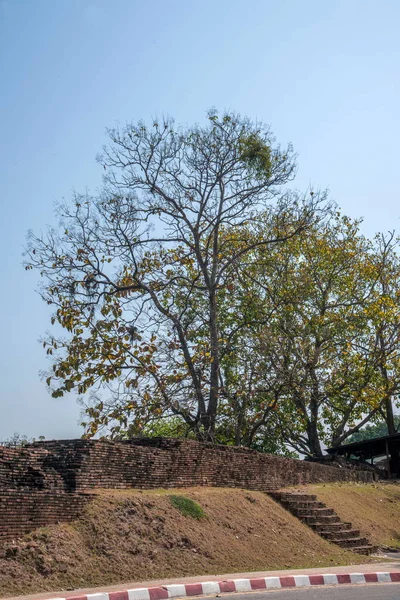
(285, 496)
(318, 512)
(332, 527)
(324, 521)
(310, 504)
(365, 550)
(351, 542)
(344, 534)
(320, 519)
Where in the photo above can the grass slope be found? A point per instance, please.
(139, 535)
(374, 509)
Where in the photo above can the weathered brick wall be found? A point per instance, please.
(45, 482)
(29, 467)
(22, 511)
(161, 462)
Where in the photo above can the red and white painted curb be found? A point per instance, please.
(181, 590)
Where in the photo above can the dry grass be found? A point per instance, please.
(139, 535)
(374, 509)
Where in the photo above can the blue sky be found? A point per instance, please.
(324, 74)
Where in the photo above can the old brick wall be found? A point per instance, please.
(28, 467)
(34, 490)
(22, 511)
(46, 482)
(162, 462)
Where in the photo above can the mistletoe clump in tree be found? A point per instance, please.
(136, 275)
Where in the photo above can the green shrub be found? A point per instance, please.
(188, 507)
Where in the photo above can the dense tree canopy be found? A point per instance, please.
(315, 292)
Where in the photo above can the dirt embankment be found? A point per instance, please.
(139, 535)
(374, 509)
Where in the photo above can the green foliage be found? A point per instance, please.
(174, 427)
(271, 442)
(307, 368)
(372, 431)
(268, 439)
(187, 506)
(256, 153)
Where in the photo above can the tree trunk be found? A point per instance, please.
(214, 369)
(313, 438)
(394, 453)
(389, 415)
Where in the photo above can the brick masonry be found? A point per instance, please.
(48, 482)
(22, 511)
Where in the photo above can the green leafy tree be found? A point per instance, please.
(306, 305)
(374, 430)
(380, 338)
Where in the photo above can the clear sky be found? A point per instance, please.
(324, 74)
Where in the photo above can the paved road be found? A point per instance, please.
(380, 591)
(393, 555)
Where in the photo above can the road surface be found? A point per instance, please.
(377, 591)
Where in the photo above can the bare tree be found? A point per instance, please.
(136, 271)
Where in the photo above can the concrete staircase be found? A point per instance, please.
(323, 520)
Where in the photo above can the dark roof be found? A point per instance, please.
(368, 448)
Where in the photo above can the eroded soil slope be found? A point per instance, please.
(138, 535)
